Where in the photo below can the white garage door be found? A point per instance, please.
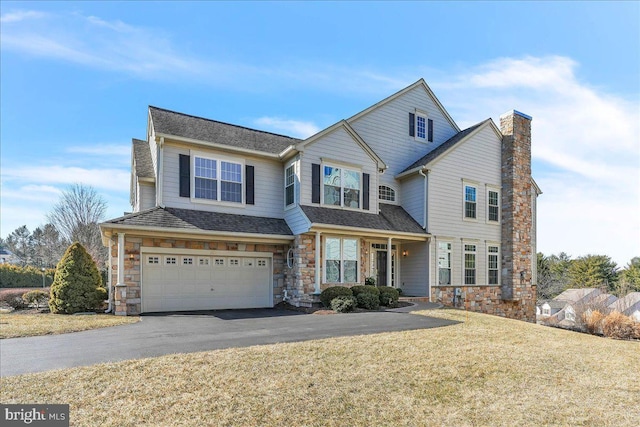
(178, 282)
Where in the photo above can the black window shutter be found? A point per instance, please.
(412, 124)
(315, 183)
(365, 191)
(430, 130)
(185, 175)
(250, 192)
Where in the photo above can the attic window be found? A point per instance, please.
(386, 193)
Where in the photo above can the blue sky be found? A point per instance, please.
(77, 78)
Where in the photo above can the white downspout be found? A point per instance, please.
(425, 216)
(160, 179)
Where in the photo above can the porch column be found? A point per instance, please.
(120, 260)
(389, 255)
(317, 259)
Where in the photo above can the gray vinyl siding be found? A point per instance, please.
(386, 131)
(296, 220)
(154, 155)
(340, 147)
(477, 162)
(412, 197)
(146, 195)
(414, 269)
(269, 185)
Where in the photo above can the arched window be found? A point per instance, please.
(386, 193)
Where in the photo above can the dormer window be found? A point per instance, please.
(386, 193)
(341, 187)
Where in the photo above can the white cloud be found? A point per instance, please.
(585, 147)
(295, 128)
(101, 179)
(20, 15)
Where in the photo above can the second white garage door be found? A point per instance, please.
(179, 282)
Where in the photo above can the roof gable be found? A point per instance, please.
(343, 124)
(167, 123)
(420, 83)
(448, 145)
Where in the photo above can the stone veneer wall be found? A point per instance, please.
(488, 299)
(301, 288)
(126, 299)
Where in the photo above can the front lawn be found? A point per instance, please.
(16, 324)
(486, 371)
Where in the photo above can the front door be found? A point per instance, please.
(381, 268)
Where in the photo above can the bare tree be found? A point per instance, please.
(77, 215)
(49, 246)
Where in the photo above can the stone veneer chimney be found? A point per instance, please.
(517, 221)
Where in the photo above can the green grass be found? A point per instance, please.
(485, 371)
(14, 325)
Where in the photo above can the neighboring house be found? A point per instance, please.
(551, 307)
(230, 217)
(628, 305)
(7, 257)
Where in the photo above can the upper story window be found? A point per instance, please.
(217, 180)
(421, 126)
(386, 193)
(493, 206)
(470, 201)
(341, 187)
(289, 185)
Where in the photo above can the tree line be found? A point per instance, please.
(557, 273)
(74, 218)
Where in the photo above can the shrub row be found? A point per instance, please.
(613, 325)
(15, 276)
(364, 296)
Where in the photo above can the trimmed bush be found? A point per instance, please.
(343, 304)
(359, 289)
(388, 296)
(13, 299)
(335, 291)
(368, 301)
(36, 297)
(77, 285)
(15, 276)
(370, 281)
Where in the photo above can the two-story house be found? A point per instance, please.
(230, 217)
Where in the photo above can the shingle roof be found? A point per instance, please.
(391, 218)
(203, 221)
(577, 295)
(444, 146)
(183, 125)
(627, 303)
(142, 158)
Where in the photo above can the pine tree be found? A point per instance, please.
(77, 285)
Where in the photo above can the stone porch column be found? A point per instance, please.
(317, 289)
(120, 260)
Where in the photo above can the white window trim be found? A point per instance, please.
(395, 194)
(496, 190)
(424, 115)
(296, 180)
(324, 258)
(217, 158)
(464, 200)
(464, 263)
(493, 245)
(450, 251)
(342, 169)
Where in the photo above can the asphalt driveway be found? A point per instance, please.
(192, 332)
